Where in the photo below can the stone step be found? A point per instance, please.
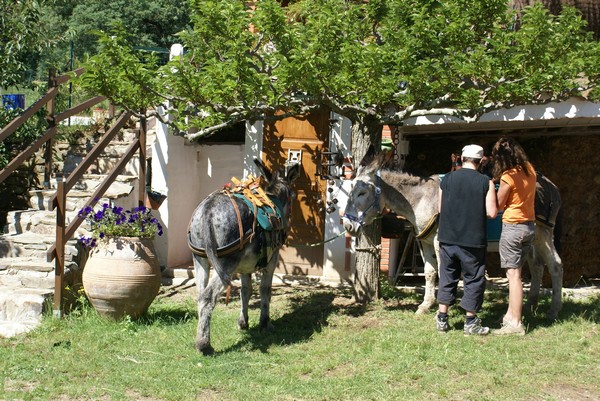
(21, 309)
(34, 245)
(110, 156)
(77, 197)
(26, 279)
(178, 272)
(177, 276)
(29, 272)
(35, 221)
(41, 219)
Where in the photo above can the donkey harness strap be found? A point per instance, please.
(239, 219)
(429, 227)
(255, 197)
(235, 245)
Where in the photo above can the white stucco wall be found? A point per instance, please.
(187, 172)
(253, 147)
(334, 251)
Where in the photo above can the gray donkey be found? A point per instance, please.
(416, 199)
(233, 234)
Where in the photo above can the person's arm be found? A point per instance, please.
(503, 192)
(440, 200)
(491, 202)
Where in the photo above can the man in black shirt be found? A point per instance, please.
(466, 199)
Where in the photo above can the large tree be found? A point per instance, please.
(148, 24)
(377, 62)
(22, 36)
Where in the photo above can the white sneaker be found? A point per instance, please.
(508, 329)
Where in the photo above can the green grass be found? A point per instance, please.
(324, 348)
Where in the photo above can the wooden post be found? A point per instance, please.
(59, 261)
(50, 118)
(142, 168)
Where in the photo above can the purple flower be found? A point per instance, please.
(117, 222)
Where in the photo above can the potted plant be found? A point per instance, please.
(122, 274)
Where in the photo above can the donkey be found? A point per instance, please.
(416, 199)
(223, 233)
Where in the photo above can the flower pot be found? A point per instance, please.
(122, 276)
(154, 199)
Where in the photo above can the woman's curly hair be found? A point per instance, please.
(508, 154)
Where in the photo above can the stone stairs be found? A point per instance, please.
(26, 278)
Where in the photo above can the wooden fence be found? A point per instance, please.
(59, 199)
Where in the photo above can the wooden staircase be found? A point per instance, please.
(27, 279)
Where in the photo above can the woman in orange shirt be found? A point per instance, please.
(516, 196)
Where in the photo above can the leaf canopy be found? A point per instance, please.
(384, 59)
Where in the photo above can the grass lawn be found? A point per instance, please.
(324, 348)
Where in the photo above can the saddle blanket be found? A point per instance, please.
(268, 218)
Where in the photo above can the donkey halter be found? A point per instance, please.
(375, 204)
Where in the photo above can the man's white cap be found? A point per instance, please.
(473, 151)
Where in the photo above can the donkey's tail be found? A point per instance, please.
(548, 207)
(547, 201)
(213, 257)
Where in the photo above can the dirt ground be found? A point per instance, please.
(185, 289)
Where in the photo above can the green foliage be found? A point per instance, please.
(21, 36)
(382, 59)
(22, 137)
(38, 34)
(116, 222)
(124, 75)
(151, 23)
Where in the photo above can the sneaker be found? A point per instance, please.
(476, 329)
(442, 324)
(508, 329)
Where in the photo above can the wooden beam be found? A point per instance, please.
(79, 108)
(17, 161)
(100, 190)
(31, 110)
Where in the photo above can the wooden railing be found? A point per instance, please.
(59, 199)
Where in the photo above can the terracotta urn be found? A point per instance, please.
(122, 276)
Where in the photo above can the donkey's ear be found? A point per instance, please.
(293, 173)
(263, 169)
(369, 156)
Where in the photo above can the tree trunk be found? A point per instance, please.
(366, 131)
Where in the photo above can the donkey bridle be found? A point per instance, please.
(375, 204)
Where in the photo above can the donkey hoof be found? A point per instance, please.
(268, 327)
(205, 348)
(242, 324)
(421, 310)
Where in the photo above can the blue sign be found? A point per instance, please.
(10, 102)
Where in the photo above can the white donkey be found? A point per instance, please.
(416, 199)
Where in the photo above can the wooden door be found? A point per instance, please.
(301, 137)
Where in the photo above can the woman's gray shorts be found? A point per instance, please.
(515, 244)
